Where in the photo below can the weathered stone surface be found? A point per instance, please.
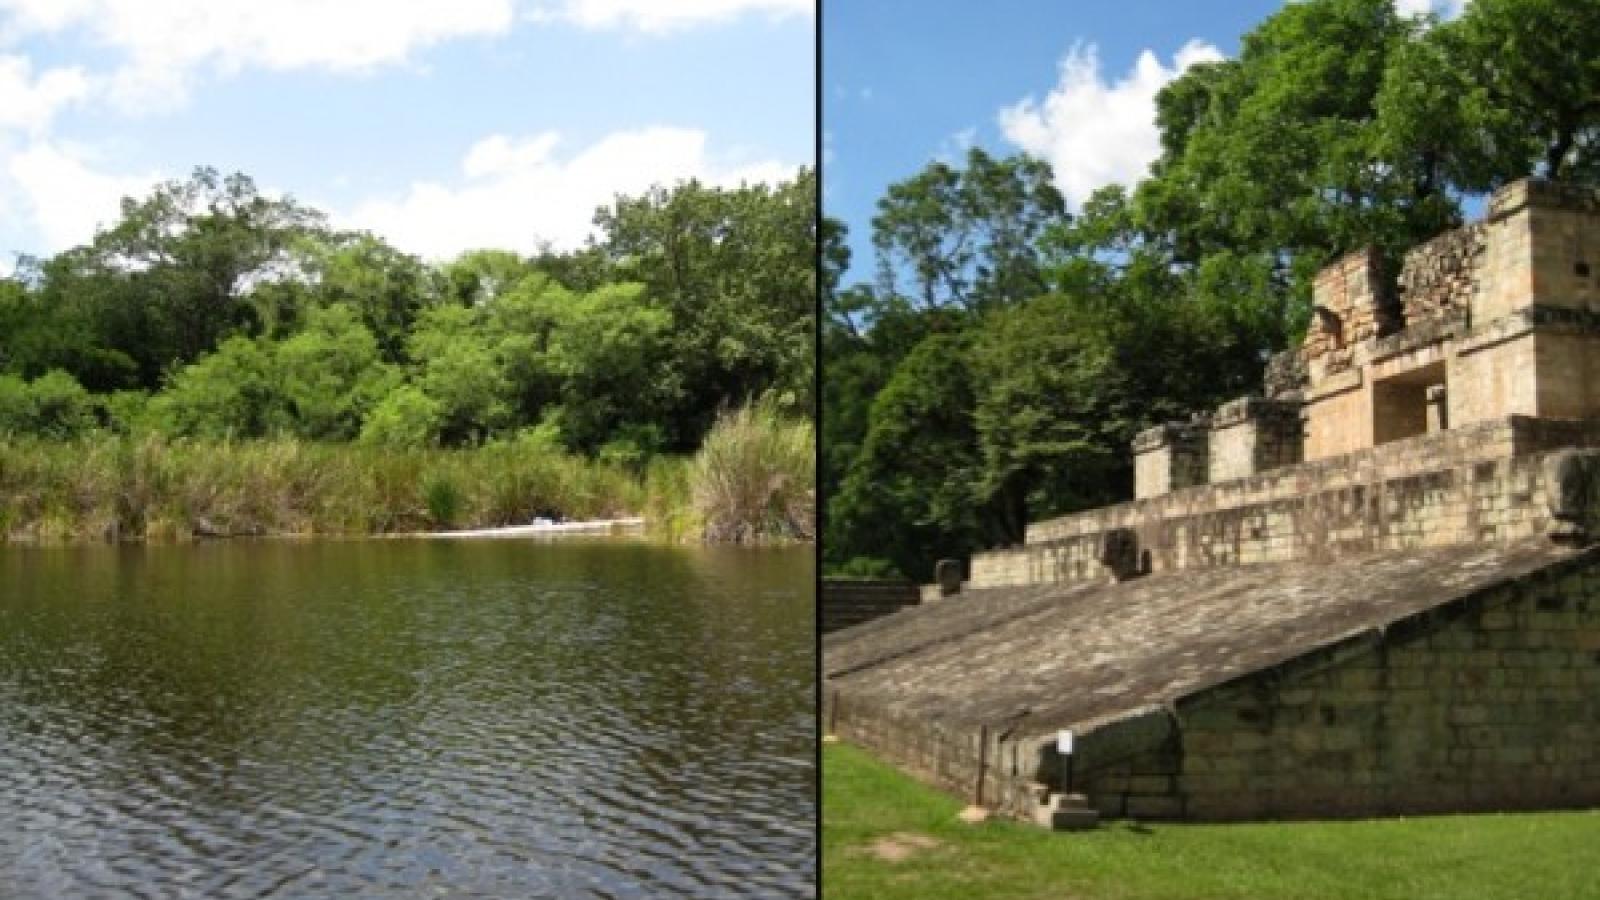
(1285, 690)
(1495, 310)
(1479, 484)
(1251, 435)
(851, 601)
(1286, 375)
(1573, 477)
(1074, 655)
(1171, 456)
(1353, 303)
(1440, 277)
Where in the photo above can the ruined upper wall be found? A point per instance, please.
(1543, 249)
(1538, 245)
(1494, 319)
(1351, 303)
(1439, 278)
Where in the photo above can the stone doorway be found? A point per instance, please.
(1409, 404)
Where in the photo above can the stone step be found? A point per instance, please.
(1066, 812)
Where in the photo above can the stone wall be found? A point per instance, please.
(1439, 278)
(1252, 435)
(1484, 696)
(979, 765)
(851, 601)
(1543, 249)
(1485, 303)
(1492, 703)
(1170, 457)
(1352, 303)
(1476, 484)
(1286, 375)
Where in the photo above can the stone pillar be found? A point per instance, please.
(1168, 457)
(1438, 408)
(1252, 435)
(947, 573)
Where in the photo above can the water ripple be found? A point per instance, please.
(392, 720)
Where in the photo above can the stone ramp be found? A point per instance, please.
(1080, 655)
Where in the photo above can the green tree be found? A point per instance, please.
(59, 406)
(609, 351)
(1280, 155)
(1511, 88)
(405, 418)
(16, 406)
(235, 392)
(966, 237)
(479, 276)
(170, 279)
(332, 374)
(520, 321)
(387, 287)
(1051, 412)
(736, 271)
(460, 372)
(908, 496)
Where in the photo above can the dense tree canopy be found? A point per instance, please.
(210, 309)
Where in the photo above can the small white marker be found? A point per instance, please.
(1064, 742)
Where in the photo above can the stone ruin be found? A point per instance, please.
(1374, 590)
(1498, 318)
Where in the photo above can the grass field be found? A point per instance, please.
(885, 836)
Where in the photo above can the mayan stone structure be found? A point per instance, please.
(1171, 456)
(1375, 590)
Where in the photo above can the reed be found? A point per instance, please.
(107, 487)
(754, 478)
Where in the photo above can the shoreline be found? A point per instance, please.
(627, 526)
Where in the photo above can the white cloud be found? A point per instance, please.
(499, 155)
(1446, 9)
(658, 16)
(65, 195)
(28, 103)
(955, 146)
(517, 192)
(1094, 132)
(164, 40)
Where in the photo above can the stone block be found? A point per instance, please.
(1253, 435)
(1170, 457)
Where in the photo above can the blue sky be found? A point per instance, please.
(440, 124)
(905, 83)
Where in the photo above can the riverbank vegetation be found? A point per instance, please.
(223, 362)
(997, 367)
(885, 836)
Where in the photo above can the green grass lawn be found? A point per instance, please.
(871, 811)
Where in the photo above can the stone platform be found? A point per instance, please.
(1448, 679)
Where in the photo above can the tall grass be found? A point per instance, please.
(754, 478)
(109, 487)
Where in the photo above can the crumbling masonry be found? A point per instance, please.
(1374, 590)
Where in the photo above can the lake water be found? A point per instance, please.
(407, 718)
